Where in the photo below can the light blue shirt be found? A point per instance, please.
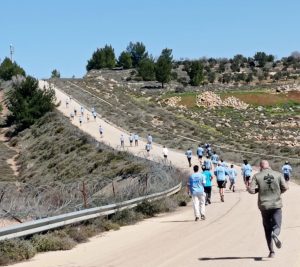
(148, 147)
(287, 169)
(196, 183)
(149, 139)
(207, 164)
(220, 173)
(232, 173)
(246, 170)
(215, 158)
(200, 151)
(189, 153)
(136, 137)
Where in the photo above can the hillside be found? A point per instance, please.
(263, 128)
(56, 158)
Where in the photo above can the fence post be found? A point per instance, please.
(84, 194)
(113, 188)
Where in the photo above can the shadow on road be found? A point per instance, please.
(230, 258)
(178, 221)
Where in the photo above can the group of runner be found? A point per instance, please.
(200, 182)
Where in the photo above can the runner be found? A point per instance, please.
(75, 111)
(220, 174)
(165, 153)
(232, 174)
(200, 151)
(80, 120)
(122, 139)
(67, 102)
(93, 109)
(148, 148)
(72, 115)
(215, 159)
(195, 188)
(207, 163)
(287, 171)
(81, 111)
(150, 139)
(208, 150)
(101, 131)
(246, 172)
(269, 185)
(87, 117)
(94, 115)
(136, 139)
(208, 185)
(189, 154)
(131, 137)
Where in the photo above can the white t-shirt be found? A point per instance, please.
(165, 151)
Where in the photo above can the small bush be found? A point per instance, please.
(126, 217)
(15, 250)
(80, 234)
(147, 208)
(105, 225)
(53, 241)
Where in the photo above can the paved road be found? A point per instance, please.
(231, 236)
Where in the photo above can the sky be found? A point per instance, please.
(63, 34)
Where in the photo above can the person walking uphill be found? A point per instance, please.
(269, 185)
(195, 188)
(287, 171)
(189, 154)
(220, 173)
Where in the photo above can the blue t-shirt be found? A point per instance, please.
(189, 153)
(207, 164)
(287, 169)
(196, 183)
(246, 170)
(220, 173)
(200, 151)
(215, 158)
(208, 176)
(232, 173)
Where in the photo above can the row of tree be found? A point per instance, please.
(136, 56)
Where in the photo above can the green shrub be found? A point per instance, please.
(15, 250)
(53, 241)
(126, 217)
(105, 225)
(147, 208)
(80, 234)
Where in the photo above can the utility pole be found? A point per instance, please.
(12, 50)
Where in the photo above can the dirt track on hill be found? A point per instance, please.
(232, 234)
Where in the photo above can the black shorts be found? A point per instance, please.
(165, 156)
(286, 176)
(221, 184)
(200, 156)
(247, 178)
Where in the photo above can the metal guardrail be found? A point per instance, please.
(41, 225)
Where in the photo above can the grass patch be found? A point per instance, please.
(6, 173)
(15, 250)
(58, 240)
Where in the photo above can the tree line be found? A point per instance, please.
(224, 70)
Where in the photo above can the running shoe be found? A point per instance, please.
(271, 254)
(277, 242)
